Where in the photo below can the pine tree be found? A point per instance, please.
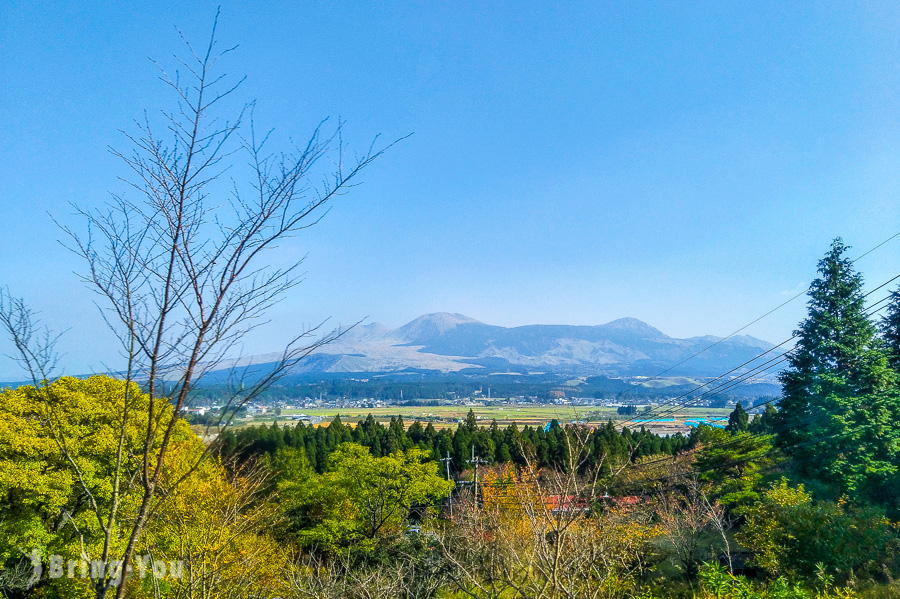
(416, 432)
(471, 420)
(762, 424)
(890, 331)
(836, 391)
(738, 420)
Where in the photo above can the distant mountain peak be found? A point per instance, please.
(429, 325)
(442, 320)
(448, 317)
(368, 332)
(633, 325)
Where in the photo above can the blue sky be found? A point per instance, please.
(685, 164)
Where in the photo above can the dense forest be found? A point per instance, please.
(547, 446)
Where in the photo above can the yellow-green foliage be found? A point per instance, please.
(361, 497)
(762, 529)
(790, 533)
(718, 583)
(58, 447)
(216, 526)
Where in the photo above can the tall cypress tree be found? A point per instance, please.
(835, 391)
(890, 331)
(738, 420)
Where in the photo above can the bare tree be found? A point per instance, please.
(34, 344)
(539, 534)
(695, 525)
(338, 577)
(182, 269)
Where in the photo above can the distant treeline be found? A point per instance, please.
(548, 446)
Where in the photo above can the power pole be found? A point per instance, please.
(475, 461)
(447, 461)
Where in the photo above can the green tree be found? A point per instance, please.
(788, 532)
(179, 264)
(627, 410)
(762, 424)
(738, 420)
(734, 465)
(61, 500)
(839, 398)
(890, 331)
(471, 421)
(361, 498)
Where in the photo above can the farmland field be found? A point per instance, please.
(534, 415)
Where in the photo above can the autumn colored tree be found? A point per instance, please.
(219, 526)
(537, 533)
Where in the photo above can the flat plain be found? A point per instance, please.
(527, 414)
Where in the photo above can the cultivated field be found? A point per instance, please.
(534, 415)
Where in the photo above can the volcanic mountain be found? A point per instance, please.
(445, 343)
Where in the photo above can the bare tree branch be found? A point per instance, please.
(181, 270)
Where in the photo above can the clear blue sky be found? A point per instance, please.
(571, 163)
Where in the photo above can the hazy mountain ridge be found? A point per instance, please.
(445, 342)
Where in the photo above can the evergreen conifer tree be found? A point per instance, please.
(738, 420)
(838, 394)
(471, 421)
(890, 331)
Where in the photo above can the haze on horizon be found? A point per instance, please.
(687, 167)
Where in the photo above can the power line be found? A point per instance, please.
(777, 429)
(767, 366)
(475, 462)
(757, 357)
(756, 370)
(863, 255)
(875, 308)
(754, 321)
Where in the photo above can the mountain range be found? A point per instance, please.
(454, 343)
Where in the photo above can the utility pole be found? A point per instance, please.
(475, 461)
(447, 461)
